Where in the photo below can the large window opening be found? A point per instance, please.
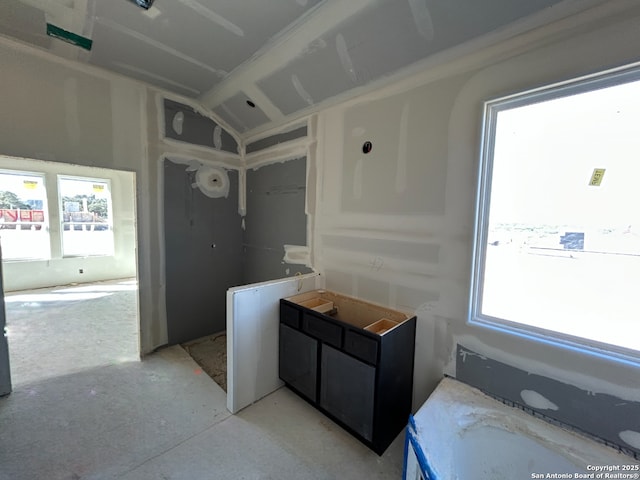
(23, 216)
(86, 217)
(557, 249)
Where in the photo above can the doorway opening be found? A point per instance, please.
(72, 303)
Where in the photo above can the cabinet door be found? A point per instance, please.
(299, 361)
(347, 388)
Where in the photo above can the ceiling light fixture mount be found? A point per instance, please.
(146, 4)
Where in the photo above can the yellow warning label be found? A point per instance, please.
(98, 188)
(30, 184)
(596, 178)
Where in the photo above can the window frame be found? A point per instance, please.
(110, 223)
(46, 211)
(491, 109)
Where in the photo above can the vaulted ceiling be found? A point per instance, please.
(260, 62)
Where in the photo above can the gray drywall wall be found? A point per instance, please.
(203, 245)
(191, 127)
(601, 415)
(275, 217)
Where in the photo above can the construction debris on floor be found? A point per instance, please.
(211, 354)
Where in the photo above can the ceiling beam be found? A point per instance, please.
(283, 49)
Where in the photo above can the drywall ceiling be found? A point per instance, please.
(284, 56)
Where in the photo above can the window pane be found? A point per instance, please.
(86, 217)
(23, 217)
(562, 251)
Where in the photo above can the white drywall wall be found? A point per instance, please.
(20, 275)
(55, 110)
(395, 226)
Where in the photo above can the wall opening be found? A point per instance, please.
(75, 308)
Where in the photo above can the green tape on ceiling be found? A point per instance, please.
(69, 37)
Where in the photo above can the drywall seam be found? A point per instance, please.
(403, 156)
(523, 36)
(233, 116)
(196, 162)
(298, 146)
(284, 47)
(151, 308)
(297, 85)
(158, 45)
(242, 194)
(310, 199)
(214, 17)
(160, 97)
(280, 155)
(285, 128)
(94, 71)
(58, 11)
(422, 19)
(155, 76)
(345, 58)
(534, 366)
(266, 105)
(72, 116)
(172, 146)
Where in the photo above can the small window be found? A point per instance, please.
(557, 239)
(86, 217)
(24, 228)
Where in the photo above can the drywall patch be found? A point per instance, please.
(297, 255)
(277, 139)
(178, 123)
(601, 415)
(212, 181)
(183, 123)
(631, 438)
(422, 19)
(537, 401)
(297, 84)
(217, 137)
(345, 58)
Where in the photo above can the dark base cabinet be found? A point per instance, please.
(350, 359)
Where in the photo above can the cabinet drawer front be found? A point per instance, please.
(290, 315)
(362, 347)
(323, 330)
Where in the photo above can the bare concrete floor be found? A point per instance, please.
(211, 354)
(162, 418)
(61, 330)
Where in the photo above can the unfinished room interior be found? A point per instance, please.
(320, 239)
